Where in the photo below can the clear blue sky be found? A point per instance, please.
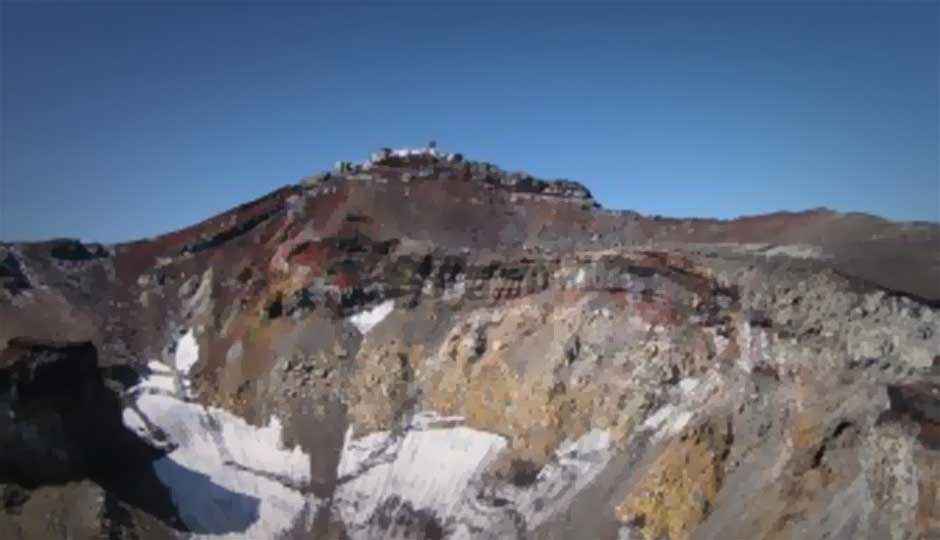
(125, 121)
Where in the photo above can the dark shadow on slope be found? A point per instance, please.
(60, 422)
(206, 507)
(917, 403)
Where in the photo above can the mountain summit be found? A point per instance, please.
(424, 346)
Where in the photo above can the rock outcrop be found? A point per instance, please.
(58, 417)
(63, 437)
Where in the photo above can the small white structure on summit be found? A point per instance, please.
(428, 151)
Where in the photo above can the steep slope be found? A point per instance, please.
(424, 347)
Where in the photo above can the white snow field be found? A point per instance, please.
(228, 479)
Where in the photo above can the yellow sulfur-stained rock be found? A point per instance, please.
(677, 491)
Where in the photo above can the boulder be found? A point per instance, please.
(72, 250)
(61, 426)
(58, 419)
(11, 275)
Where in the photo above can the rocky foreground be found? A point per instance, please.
(419, 346)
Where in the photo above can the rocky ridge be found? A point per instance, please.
(433, 347)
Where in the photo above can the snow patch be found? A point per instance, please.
(667, 421)
(429, 468)
(433, 467)
(187, 352)
(209, 438)
(367, 319)
(158, 383)
(678, 423)
(159, 367)
(227, 478)
(439, 471)
(133, 421)
(656, 419)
